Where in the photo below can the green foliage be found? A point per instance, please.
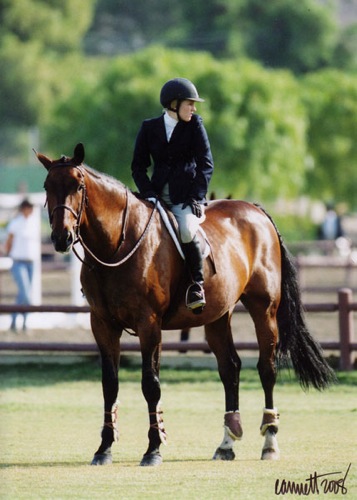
(260, 133)
(57, 25)
(331, 100)
(302, 36)
(295, 228)
(272, 135)
(38, 41)
(297, 35)
(254, 119)
(345, 55)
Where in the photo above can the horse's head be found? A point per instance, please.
(66, 196)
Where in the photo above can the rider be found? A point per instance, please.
(177, 144)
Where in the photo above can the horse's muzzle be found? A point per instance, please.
(62, 242)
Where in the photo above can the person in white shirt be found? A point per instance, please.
(21, 246)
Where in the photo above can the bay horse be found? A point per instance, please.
(135, 279)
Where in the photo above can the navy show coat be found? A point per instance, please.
(185, 162)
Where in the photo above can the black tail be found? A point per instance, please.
(295, 340)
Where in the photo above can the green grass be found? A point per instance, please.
(51, 419)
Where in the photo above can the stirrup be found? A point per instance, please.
(195, 297)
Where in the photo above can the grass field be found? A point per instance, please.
(51, 417)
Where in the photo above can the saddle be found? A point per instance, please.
(172, 227)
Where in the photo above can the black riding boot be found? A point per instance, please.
(195, 295)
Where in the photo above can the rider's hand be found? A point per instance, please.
(195, 207)
(150, 196)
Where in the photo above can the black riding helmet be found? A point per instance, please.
(178, 89)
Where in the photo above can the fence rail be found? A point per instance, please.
(344, 306)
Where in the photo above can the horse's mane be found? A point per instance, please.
(103, 177)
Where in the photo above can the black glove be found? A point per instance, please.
(150, 196)
(195, 207)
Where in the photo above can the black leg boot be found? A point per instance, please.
(195, 295)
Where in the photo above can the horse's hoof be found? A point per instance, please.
(222, 454)
(270, 454)
(151, 460)
(102, 459)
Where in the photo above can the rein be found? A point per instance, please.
(78, 216)
(131, 253)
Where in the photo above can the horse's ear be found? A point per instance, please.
(46, 162)
(78, 154)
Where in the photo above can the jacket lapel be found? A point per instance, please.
(159, 128)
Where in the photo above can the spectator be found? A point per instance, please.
(331, 227)
(22, 246)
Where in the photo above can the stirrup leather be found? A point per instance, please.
(195, 296)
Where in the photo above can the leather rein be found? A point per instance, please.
(78, 216)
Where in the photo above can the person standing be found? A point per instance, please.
(331, 227)
(177, 145)
(22, 246)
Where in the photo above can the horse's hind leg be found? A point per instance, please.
(265, 321)
(219, 338)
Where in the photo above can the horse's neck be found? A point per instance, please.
(103, 223)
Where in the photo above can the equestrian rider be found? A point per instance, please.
(177, 144)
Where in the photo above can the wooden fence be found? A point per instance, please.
(346, 343)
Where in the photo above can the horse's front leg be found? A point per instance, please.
(108, 343)
(150, 341)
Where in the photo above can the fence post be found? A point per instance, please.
(346, 327)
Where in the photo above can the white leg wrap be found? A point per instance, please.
(270, 419)
(270, 447)
(228, 441)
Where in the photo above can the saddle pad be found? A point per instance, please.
(172, 227)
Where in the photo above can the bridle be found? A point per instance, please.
(78, 217)
(84, 199)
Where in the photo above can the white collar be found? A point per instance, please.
(170, 124)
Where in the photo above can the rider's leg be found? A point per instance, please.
(195, 297)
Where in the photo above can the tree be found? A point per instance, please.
(345, 56)
(254, 119)
(299, 35)
(56, 25)
(330, 98)
(37, 40)
(121, 26)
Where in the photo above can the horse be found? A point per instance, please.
(135, 279)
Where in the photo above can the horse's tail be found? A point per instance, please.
(295, 340)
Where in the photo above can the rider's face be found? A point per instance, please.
(186, 110)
